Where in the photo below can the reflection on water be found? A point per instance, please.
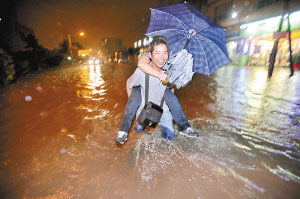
(58, 130)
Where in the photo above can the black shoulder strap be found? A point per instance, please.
(146, 87)
(162, 100)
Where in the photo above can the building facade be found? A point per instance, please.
(252, 27)
(10, 34)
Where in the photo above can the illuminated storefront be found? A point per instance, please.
(255, 43)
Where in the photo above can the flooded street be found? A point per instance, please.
(58, 131)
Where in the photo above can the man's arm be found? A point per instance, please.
(144, 65)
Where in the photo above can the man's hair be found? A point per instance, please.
(157, 40)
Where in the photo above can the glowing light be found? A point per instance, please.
(246, 48)
(135, 44)
(28, 98)
(234, 15)
(39, 88)
(139, 43)
(295, 15)
(259, 82)
(63, 150)
(98, 70)
(69, 58)
(145, 42)
(82, 34)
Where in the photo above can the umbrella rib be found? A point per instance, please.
(204, 39)
(180, 22)
(166, 30)
(198, 43)
(175, 43)
(180, 40)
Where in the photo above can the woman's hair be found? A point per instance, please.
(157, 40)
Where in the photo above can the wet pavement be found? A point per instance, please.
(58, 131)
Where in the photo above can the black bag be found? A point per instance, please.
(150, 115)
(151, 112)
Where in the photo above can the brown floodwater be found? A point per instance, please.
(58, 131)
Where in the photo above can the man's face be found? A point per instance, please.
(159, 55)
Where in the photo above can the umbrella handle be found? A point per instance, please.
(186, 43)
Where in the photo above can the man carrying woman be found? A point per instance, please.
(145, 64)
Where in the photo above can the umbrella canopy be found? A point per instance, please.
(186, 27)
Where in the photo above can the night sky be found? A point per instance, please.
(52, 20)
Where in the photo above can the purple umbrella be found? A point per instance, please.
(186, 27)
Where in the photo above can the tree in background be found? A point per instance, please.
(33, 46)
(49, 58)
(78, 45)
(7, 69)
(32, 42)
(64, 47)
(40, 57)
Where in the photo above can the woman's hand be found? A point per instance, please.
(164, 78)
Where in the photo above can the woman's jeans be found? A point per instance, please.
(166, 124)
(135, 100)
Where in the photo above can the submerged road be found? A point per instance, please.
(58, 131)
